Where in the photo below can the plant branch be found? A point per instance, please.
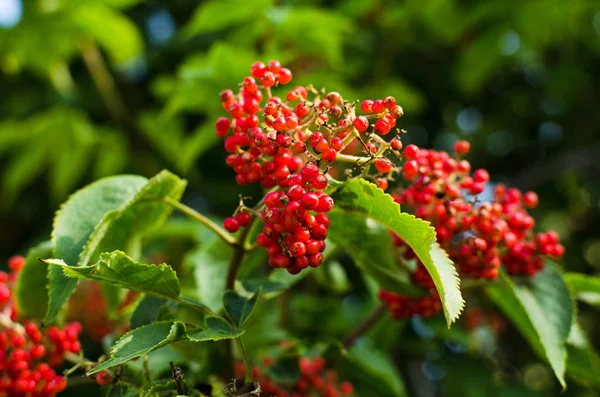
(202, 219)
(92, 57)
(365, 325)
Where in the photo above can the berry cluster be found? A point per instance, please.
(28, 357)
(295, 221)
(401, 307)
(479, 236)
(315, 381)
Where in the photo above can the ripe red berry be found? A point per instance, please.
(309, 201)
(329, 155)
(103, 378)
(378, 106)
(383, 165)
(243, 218)
(396, 144)
(258, 69)
(231, 224)
(530, 199)
(361, 123)
(16, 263)
(382, 127)
(367, 106)
(411, 152)
(462, 147)
(284, 76)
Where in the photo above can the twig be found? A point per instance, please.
(229, 239)
(92, 57)
(365, 325)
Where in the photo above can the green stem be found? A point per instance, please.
(229, 239)
(247, 367)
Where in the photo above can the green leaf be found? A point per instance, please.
(112, 30)
(375, 366)
(360, 238)
(141, 215)
(76, 221)
(542, 310)
(142, 341)
(111, 214)
(583, 363)
(116, 268)
(216, 328)
(361, 199)
(267, 286)
(31, 297)
(209, 263)
(147, 311)
(162, 386)
(333, 277)
(220, 15)
(587, 288)
(239, 308)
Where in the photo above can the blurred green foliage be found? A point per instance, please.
(99, 87)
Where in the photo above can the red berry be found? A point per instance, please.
(284, 76)
(462, 147)
(530, 199)
(382, 127)
(258, 69)
(361, 123)
(367, 106)
(243, 218)
(411, 152)
(231, 224)
(309, 201)
(383, 165)
(329, 155)
(103, 378)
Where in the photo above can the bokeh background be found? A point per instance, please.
(99, 87)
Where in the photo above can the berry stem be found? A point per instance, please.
(359, 160)
(365, 325)
(202, 219)
(247, 367)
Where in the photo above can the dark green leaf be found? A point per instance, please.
(31, 297)
(110, 214)
(239, 308)
(74, 224)
(162, 386)
(216, 329)
(542, 309)
(267, 286)
(147, 311)
(361, 199)
(142, 341)
(116, 268)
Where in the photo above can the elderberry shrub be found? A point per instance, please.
(289, 144)
(28, 356)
